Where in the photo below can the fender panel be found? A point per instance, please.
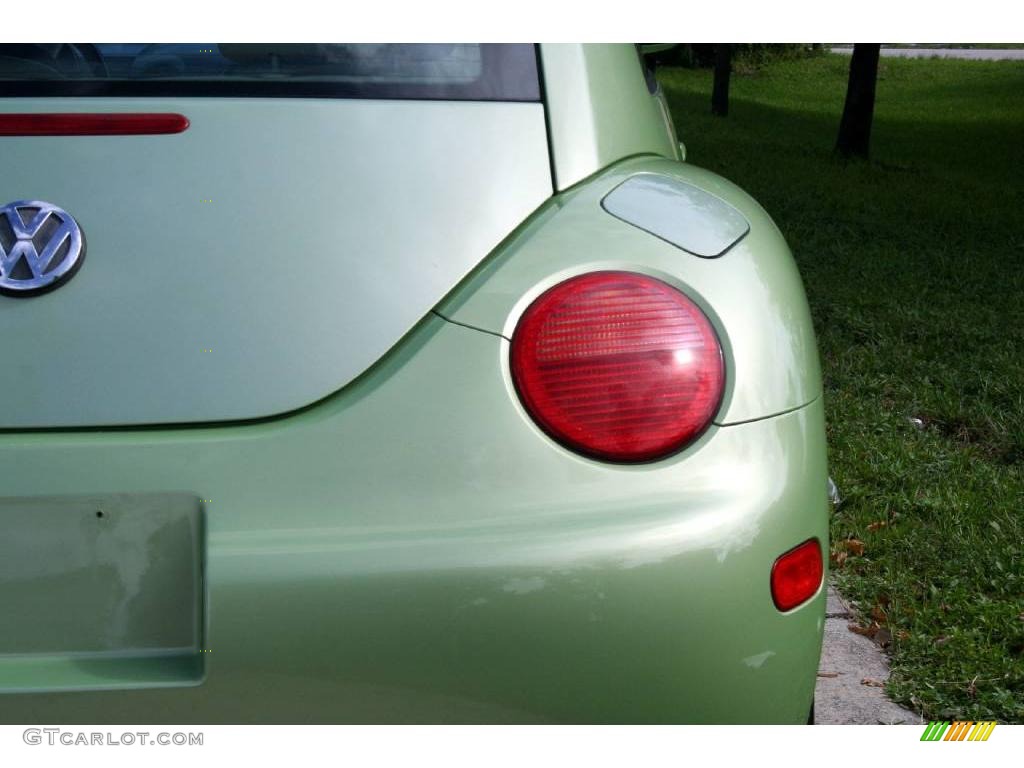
(753, 293)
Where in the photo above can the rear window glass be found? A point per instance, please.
(464, 71)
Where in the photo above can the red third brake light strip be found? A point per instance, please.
(91, 123)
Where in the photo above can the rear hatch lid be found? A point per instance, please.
(271, 252)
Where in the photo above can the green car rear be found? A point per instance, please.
(281, 439)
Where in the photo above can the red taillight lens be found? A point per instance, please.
(796, 575)
(618, 366)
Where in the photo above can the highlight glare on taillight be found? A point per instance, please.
(796, 575)
(618, 366)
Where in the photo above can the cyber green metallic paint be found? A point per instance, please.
(413, 548)
(753, 293)
(600, 110)
(343, 237)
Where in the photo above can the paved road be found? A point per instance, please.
(976, 54)
(847, 659)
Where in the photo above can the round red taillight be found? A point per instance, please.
(618, 366)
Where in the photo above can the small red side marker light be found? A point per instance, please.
(796, 575)
(91, 123)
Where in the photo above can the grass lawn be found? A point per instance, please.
(914, 267)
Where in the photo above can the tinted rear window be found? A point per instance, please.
(461, 71)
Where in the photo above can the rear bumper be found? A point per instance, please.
(413, 549)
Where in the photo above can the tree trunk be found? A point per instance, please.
(855, 128)
(723, 68)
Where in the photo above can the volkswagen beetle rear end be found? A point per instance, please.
(389, 383)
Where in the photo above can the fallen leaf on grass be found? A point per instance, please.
(838, 559)
(876, 525)
(854, 546)
(868, 631)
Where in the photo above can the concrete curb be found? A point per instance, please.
(966, 54)
(847, 659)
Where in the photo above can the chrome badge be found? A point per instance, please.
(41, 246)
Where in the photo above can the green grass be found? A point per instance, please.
(914, 268)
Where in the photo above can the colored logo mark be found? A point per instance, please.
(958, 731)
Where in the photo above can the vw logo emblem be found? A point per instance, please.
(41, 246)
